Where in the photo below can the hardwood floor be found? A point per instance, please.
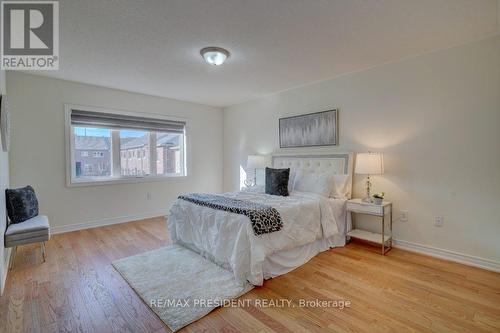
(77, 290)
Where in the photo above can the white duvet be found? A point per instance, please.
(228, 239)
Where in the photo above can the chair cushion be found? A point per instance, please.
(22, 204)
(37, 223)
(34, 230)
(27, 235)
(9, 242)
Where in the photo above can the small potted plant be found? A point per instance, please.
(378, 198)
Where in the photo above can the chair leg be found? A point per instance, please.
(12, 256)
(43, 251)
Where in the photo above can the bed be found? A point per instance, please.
(312, 223)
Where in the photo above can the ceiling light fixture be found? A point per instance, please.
(214, 55)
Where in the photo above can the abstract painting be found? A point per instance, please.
(309, 130)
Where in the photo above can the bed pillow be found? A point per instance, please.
(316, 183)
(291, 180)
(277, 181)
(21, 203)
(340, 187)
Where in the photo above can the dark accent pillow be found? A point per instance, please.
(277, 181)
(22, 204)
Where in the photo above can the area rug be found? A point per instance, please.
(178, 284)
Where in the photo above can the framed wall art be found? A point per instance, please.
(309, 130)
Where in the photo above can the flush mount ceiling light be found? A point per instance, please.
(214, 55)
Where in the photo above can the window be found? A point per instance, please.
(99, 141)
(169, 153)
(112, 146)
(137, 143)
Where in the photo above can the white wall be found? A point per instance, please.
(37, 154)
(436, 117)
(4, 183)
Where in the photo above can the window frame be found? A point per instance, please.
(71, 180)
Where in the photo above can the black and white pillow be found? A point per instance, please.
(277, 181)
(22, 204)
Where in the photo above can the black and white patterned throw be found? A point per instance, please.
(265, 219)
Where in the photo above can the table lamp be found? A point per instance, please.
(369, 164)
(255, 162)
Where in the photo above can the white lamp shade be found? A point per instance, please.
(369, 164)
(257, 161)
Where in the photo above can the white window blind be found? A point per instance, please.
(118, 121)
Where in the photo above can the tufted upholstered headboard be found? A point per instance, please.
(338, 163)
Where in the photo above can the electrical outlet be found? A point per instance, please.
(148, 195)
(404, 216)
(438, 221)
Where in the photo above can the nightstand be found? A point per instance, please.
(384, 238)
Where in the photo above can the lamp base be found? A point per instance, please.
(368, 198)
(249, 182)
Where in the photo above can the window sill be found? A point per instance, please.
(125, 180)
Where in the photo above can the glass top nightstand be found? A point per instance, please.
(385, 237)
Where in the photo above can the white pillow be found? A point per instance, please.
(315, 183)
(291, 180)
(340, 187)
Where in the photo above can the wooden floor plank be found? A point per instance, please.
(77, 290)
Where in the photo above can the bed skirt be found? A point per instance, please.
(282, 262)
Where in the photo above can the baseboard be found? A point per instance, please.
(448, 255)
(4, 280)
(5, 269)
(103, 222)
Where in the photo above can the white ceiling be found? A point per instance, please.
(153, 46)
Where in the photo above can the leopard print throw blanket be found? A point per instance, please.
(265, 219)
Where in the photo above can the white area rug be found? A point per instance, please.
(179, 285)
